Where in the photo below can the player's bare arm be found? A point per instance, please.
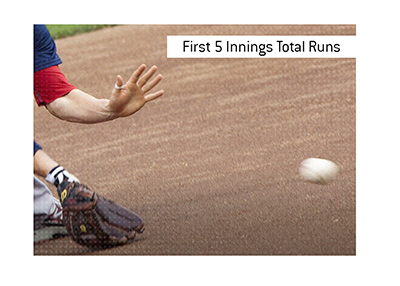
(44, 166)
(126, 99)
(42, 163)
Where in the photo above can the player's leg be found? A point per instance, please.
(46, 208)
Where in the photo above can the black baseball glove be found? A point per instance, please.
(95, 221)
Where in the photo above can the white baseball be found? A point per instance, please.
(318, 171)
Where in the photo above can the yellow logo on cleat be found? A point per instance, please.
(63, 195)
(83, 228)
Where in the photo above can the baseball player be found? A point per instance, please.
(65, 101)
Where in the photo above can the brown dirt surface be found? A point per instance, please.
(212, 166)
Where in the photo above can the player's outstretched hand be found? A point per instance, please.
(128, 98)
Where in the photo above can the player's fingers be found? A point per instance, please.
(152, 83)
(136, 74)
(154, 95)
(147, 76)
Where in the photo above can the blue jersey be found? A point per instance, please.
(44, 56)
(44, 49)
(36, 147)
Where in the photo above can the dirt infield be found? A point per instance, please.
(212, 166)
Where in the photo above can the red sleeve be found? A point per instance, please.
(50, 84)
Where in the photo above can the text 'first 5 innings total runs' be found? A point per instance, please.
(261, 48)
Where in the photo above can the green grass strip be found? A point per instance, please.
(62, 31)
